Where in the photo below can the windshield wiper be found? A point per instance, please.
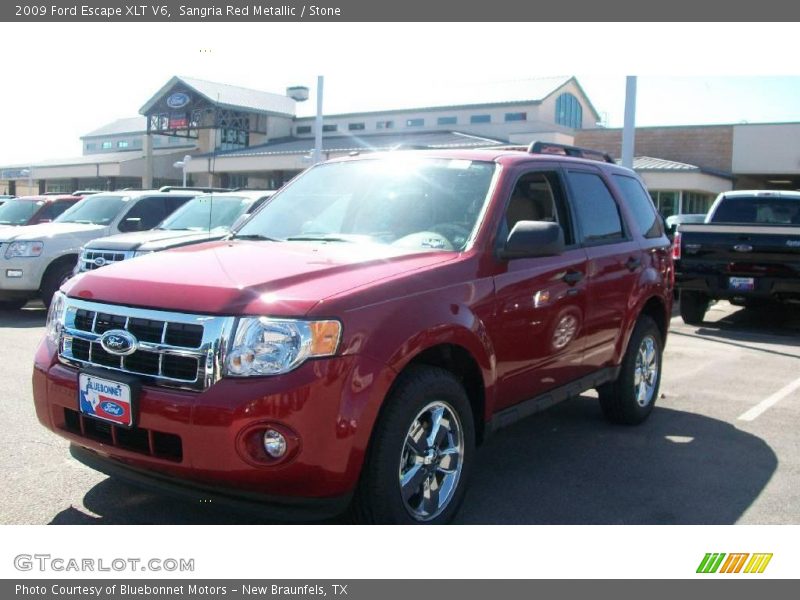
(317, 238)
(253, 236)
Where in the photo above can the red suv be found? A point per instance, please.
(32, 210)
(355, 340)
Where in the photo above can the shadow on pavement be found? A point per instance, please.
(564, 466)
(568, 466)
(34, 315)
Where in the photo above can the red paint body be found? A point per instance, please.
(392, 308)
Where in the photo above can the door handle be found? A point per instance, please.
(572, 277)
(633, 263)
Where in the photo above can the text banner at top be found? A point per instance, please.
(398, 11)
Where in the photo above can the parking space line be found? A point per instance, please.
(770, 401)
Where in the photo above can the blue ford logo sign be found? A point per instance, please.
(118, 342)
(112, 408)
(178, 100)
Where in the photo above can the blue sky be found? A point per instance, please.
(107, 71)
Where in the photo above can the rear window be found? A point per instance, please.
(762, 210)
(596, 209)
(640, 205)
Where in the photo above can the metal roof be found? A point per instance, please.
(104, 158)
(229, 96)
(120, 126)
(648, 163)
(357, 143)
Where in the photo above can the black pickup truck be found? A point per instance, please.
(746, 252)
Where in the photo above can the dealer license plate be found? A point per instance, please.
(742, 284)
(105, 399)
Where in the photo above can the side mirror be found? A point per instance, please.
(132, 224)
(529, 239)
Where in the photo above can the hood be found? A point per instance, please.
(44, 231)
(153, 240)
(246, 277)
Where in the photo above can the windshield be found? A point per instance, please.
(429, 204)
(97, 210)
(759, 210)
(207, 212)
(18, 212)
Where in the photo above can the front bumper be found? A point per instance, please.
(191, 441)
(20, 277)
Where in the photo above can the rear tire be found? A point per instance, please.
(630, 399)
(421, 454)
(693, 307)
(54, 278)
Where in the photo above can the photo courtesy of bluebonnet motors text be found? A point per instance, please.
(284, 285)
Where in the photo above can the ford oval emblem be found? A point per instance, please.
(112, 408)
(118, 342)
(178, 100)
(99, 261)
(743, 248)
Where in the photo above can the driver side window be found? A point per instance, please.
(536, 196)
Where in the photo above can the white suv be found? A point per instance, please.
(37, 259)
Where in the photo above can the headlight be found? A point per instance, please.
(24, 249)
(55, 317)
(265, 346)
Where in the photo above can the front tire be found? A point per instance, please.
(630, 399)
(55, 277)
(421, 453)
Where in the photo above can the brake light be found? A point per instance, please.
(676, 246)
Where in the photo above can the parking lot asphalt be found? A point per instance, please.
(721, 446)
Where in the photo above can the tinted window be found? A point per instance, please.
(145, 214)
(537, 197)
(641, 205)
(52, 210)
(18, 212)
(99, 209)
(754, 209)
(595, 208)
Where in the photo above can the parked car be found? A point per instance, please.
(355, 340)
(31, 210)
(746, 252)
(674, 221)
(5, 197)
(202, 219)
(37, 259)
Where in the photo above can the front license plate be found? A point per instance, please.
(105, 399)
(743, 284)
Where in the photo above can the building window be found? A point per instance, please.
(695, 203)
(329, 128)
(516, 116)
(122, 144)
(301, 129)
(230, 138)
(174, 140)
(415, 122)
(91, 146)
(569, 111)
(666, 202)
(385, 125)
(475, 119)
(106, 145)
(446, 121)
(356, 126)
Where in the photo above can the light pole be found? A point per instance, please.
(182, 164)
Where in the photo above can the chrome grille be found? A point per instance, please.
(173, 349)
(94, 259)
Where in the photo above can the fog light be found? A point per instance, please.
(274, 443)
(13, 272)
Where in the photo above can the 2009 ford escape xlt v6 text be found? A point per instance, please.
(354, 341)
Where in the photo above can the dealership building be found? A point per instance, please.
(239, 137)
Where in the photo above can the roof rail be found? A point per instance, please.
(54, 194)
(177, 188)
(85, 192)
(565, 150)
